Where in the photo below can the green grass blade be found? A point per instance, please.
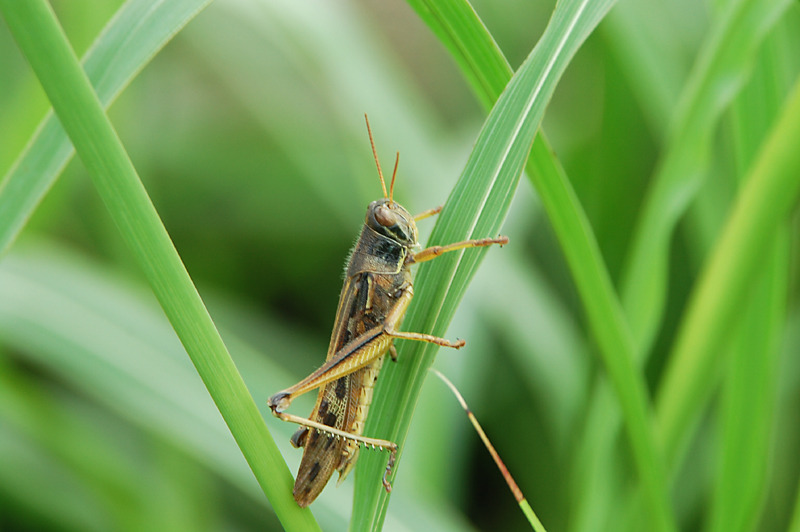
(655, 102)
(749, 396)
(750, 383)
(46, 48)
(485, 184)
(794, 525)
(717, 76)
(475, 51)
(129, 41)
(763, 204)
(485, 67)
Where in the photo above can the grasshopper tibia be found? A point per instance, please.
(434, 251)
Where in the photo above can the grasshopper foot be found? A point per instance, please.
(279, 402)
(386, 484)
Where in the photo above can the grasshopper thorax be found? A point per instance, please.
(388, 218)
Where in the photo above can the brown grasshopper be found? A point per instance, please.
(376, 293)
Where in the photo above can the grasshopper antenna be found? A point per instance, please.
(375, 154)
(394, 174)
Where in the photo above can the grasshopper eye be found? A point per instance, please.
(385, 217)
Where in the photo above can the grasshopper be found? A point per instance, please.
(377, 291)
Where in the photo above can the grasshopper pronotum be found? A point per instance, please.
(376, 293)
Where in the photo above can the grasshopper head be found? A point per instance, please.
(390, 219)
(385, 216)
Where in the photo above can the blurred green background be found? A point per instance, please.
(247, 130)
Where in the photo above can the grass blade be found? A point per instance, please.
(764, 202)
(719, 73)
(46, 48)
(576, 238)
(751, 379)
(749, 395)
(794, 526)
(722, 67)
(129, 41)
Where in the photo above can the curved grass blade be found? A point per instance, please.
(749, 397)
(476, 207)
(764, 202)
(719, 73)
(129, 41)
(721, 68)
(36, 30)
(751, 376)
